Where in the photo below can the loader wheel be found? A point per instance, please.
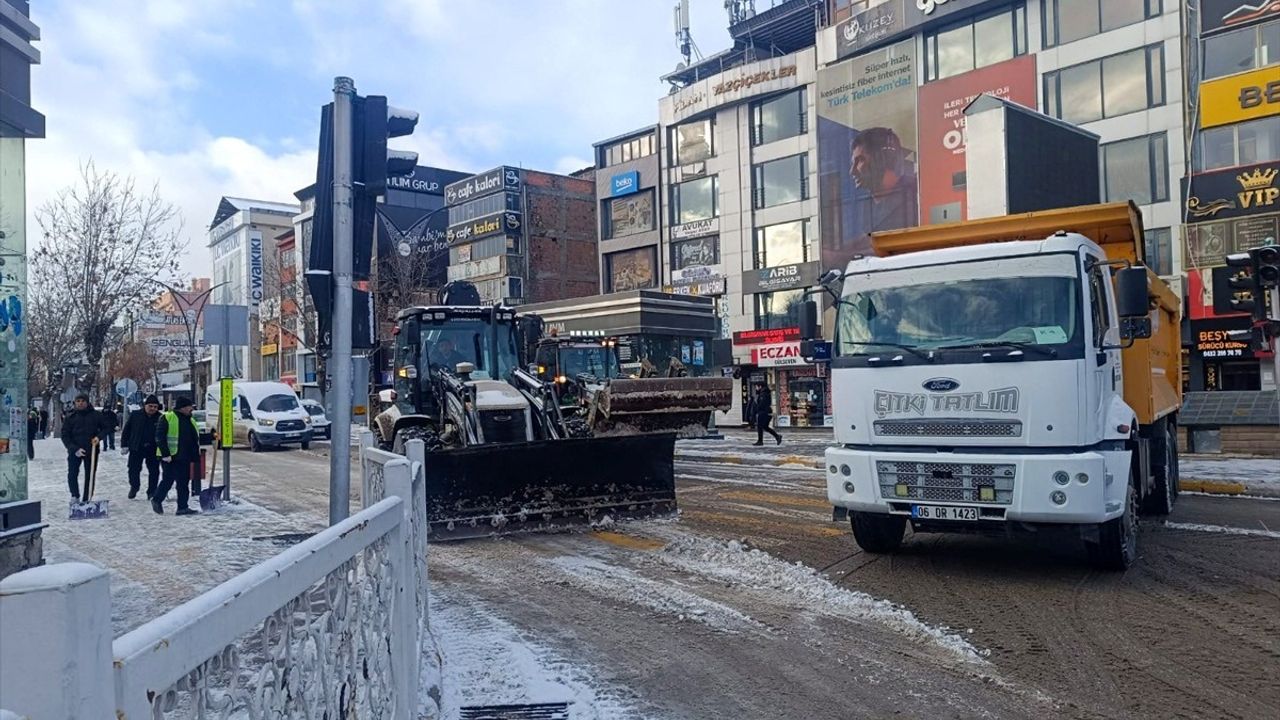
(1164, 486)
(1117, 545)
(877, 533)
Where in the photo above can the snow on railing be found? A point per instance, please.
(331, 627)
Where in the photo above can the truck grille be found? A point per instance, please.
(502, 425)
(290, 425)
(945, 482)
(948, 428)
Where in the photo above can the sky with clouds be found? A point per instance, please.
(222, 97)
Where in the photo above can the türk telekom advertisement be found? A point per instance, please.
(942, 131)
(866, 150)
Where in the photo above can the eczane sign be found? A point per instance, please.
(778, 355)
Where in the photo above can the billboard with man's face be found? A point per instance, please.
(866, 150)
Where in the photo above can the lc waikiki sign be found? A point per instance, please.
(255, 269)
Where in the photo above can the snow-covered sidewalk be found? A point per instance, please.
(1257, 476)
(156, 561)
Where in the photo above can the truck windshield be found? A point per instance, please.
(598, 362)
(1040, 311)
(473, 341)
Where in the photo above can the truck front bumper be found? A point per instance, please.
(854, 482)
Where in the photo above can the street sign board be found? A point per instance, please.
(226, 324)
(126, 387)
(226, 423)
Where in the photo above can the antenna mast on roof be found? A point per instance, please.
(740, 10)
(688, 48)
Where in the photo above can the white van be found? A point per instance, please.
(267, 414)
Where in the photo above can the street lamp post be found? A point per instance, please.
(191, 324)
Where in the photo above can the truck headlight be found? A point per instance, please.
(1058, 497)
(848, 486)
(1061, 477)
(264, 422)
(832, 469)
(845, 471)
(1082, 478)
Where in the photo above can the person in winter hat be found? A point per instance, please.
(178, 447)
(79, 428)
(138, 441)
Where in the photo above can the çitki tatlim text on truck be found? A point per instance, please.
(1018, 373)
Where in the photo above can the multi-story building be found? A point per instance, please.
(242, 238)
(173, 327)
(629, 197)
(525, 236)
(1233, 190)
(828, 121)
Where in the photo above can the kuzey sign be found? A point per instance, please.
(780, 355)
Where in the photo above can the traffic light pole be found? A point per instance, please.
(340, 349)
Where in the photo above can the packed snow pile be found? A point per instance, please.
(1259, 475)
(736, 564)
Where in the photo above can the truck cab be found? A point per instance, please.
(1012, 384)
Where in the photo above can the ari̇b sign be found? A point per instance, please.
(226, 421)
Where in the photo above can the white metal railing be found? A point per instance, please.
(331, 627)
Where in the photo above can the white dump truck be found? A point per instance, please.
(1017, 373)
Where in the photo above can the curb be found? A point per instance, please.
(779, 461)
(1212, 487)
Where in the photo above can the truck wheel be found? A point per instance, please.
(254, 444)
(1117, 545)
(877, 533)
(1164, 486)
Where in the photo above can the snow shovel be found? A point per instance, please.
(210, 497)
(86, 508)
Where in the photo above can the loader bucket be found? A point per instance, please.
(680, 405)
(548, 485)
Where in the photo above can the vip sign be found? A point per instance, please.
(781, 355)
(255, 269)
(1257, 189)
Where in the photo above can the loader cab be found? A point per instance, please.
(431, 340)
(571, 358)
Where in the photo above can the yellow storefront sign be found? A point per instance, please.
(1240, 97)
(270, 349)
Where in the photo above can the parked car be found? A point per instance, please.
(202, 424)
(320, 425)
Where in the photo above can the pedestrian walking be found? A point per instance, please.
(79, 428)
(111, 421)
(44, 423)
(33, 427)
(138, 442)
(762, 413)
(178, 447)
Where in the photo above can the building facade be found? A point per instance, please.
(629, 193)
(1232, 193)
(242, 240)
(524, 236)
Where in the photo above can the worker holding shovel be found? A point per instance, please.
(79, 429)
(178, 446)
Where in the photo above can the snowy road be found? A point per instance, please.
(754, 604)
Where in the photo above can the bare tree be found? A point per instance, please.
(137, 361)
(52, 341)
(106, 242)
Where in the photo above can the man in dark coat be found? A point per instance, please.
(44, 423)
(33, 427)
(111, 423)
(762, 413)
(178, 446)
(79, 428)
(138, 441)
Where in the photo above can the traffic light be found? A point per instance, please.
(1245, 284)
(375, 123)
(1266, 266)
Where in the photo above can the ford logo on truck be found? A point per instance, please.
(940, 384)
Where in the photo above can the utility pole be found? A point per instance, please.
(344, 91)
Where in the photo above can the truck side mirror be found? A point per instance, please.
(1131, 292)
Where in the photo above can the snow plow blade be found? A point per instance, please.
(548, 485)
(656, 405)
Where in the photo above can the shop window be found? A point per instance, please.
(695, 253)
(632, 269)
(1159, 251)
(1136, 169)
(694, 200)
(976, 44)
(1246, 143)
(1242, 50)
(781, 244)
(1069, 20)
(782, 181)
(1107, 87)
(628, 215)
(693, 141)
(778, 309)
(781, 117)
